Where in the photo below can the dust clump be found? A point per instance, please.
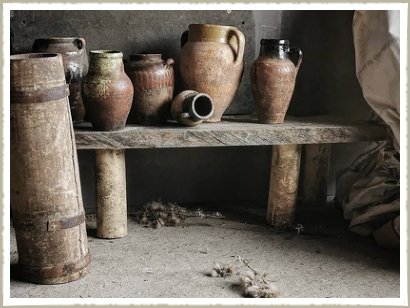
(251, 283)
(157, 214)
(219, 270)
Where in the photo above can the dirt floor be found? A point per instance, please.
(324, 260)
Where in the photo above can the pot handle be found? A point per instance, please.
(241, 45)
(300, 56)
(170, 62)
(185, 115)
(184, 38)
(80, 43)
(70, 76)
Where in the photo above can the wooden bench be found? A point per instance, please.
(314, 133)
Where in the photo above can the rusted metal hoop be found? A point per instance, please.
(40, 96)
(43, 224)
(55, 274)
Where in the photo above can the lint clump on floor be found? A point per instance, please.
(157, 214)
(251, 283)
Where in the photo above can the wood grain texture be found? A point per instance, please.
(233, 131)
(314, 174)
(283, 185)
(46, 201)
(111, 194)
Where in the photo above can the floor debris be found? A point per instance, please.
(219, 270)
(253, 284)
(157, 214)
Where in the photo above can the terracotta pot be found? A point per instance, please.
(75, 66)
(273, 78)
(191, 108)
(107, 91)
(211, 62)
(153, 81)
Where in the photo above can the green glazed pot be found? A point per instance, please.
(107, 91)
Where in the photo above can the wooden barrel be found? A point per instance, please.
(46, 203)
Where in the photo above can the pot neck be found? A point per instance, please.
(209, 33)
(145, 59)
(61, 40)
(106, 62)
(59, 43)
(278, 49)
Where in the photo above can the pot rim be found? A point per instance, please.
(106, 53)
(203, 95)
(146, 55)
(274, 41)
(34, 56)
(212, 26)
(67, 39)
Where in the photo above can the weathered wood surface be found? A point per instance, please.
(283, 185)
(233, 131)
(314, 174)
(45, 192)
(111, 194)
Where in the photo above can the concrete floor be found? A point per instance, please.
(324, 261)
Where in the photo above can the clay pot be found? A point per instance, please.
(211, 62)
(191, 108)
(107, 91)
(273, 78)
(75, 67)
(153, 81)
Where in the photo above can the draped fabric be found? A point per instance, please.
(376, 36)
(369, 190)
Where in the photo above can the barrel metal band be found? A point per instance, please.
(40, 96)
(42, 224)
(42, 273)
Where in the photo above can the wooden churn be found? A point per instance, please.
(46, 202)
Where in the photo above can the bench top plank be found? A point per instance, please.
(232, 131)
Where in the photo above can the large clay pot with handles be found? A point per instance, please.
(75, 63)
(211, 62)
(273, 77)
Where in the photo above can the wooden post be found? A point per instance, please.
(111, 195)
(314, 174)
(283, 184)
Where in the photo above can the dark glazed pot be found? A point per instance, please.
(273, 77)
(75, 67)
(191, 108)
(153, 81)
(211, 62)
(107, 91)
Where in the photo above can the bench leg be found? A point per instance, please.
(111, 195)
(314, 174)
(283, 184)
